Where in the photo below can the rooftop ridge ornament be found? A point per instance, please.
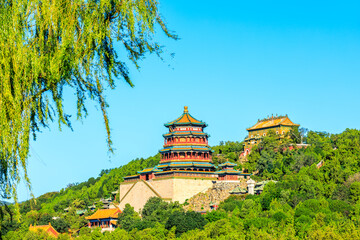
(272, 117)
(186, 120)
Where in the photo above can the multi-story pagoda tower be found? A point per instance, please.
(185, 168)
(186, 146)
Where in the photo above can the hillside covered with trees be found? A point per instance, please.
(306, 201)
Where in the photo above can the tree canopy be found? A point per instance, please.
(49, 46)
(306, 202)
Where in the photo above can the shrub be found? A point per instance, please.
(279, 216)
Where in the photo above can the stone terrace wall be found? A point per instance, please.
(187, 188)
(136, 194)
(216, 194)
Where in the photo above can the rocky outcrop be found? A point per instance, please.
(214, 195)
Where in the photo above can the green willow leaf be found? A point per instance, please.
(47, 45)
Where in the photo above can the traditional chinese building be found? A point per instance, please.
(186, 151)
(46, 228)
(185, 168)
(104, 218)
(279, 124)
(228, 173)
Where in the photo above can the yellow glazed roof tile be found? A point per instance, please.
(185, 118)
(272, 122)
(105, 213)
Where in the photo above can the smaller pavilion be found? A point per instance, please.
(252, 188)
(228, 173)
(104, 218)
(238, 191)
(259, 186)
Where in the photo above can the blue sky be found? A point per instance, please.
(236, 62)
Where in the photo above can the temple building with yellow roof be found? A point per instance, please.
(185, 168)
(279, 124)
(106, 219)
(46, 228)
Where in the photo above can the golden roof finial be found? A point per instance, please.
(186, 109)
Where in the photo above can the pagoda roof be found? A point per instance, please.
(104, 213)
(238, 190)
(273, 122)
(79, 212)
(259, 188)
(228, 164)
(186, 133)
(263, 183)
(186, 148)
(185, 119)
(229, 171)
(131, 176)
(146, 170)
(46, 228)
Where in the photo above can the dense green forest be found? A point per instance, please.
(305, 202)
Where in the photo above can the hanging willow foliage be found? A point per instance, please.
(46, 45)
